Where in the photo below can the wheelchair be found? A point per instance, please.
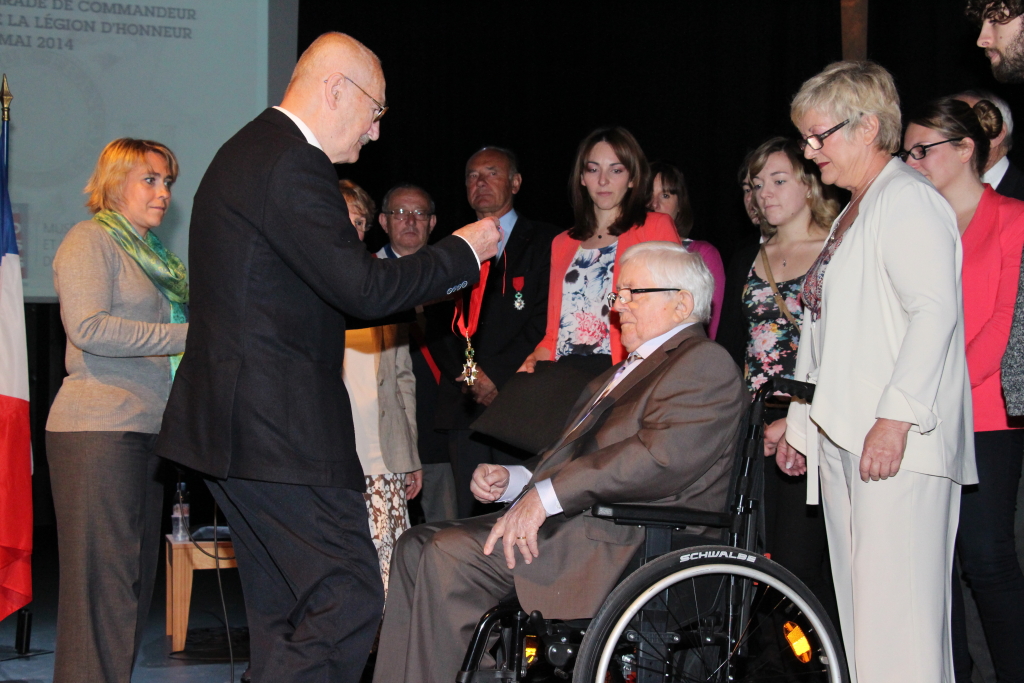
(710, 613)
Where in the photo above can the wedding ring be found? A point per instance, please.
(520, 538)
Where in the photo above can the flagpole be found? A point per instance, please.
(5, 98)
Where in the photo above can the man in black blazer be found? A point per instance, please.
(258, 404)
(512, 318)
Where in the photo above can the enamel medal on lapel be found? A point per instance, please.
(467, 323)
(517, 283)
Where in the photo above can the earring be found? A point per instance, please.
(808, 194)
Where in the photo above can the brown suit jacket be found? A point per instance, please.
(666, 435)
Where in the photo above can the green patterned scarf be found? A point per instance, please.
(161, 266)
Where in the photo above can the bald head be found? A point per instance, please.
(333, 90)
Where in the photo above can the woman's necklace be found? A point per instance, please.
(856, 198)
(779, 247)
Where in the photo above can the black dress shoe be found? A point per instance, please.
(246, 678)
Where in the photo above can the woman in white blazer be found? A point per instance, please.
(889, 431)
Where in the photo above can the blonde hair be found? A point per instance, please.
(106, 184)
(852, 90)
(358, 200)
(824, 207)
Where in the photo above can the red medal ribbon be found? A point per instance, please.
(518, 283)
(467, 324)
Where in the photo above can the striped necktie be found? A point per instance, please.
(632, 359)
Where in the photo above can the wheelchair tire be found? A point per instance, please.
(671, 620)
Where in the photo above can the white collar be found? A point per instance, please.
(303, 128)
(652, 345)
(994, 175)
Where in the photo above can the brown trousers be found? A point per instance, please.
(441, 584)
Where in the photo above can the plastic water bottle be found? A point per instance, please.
(179, 514)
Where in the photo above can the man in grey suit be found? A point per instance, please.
(659, 428)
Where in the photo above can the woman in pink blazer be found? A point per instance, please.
(949, 143)
(610, 189)
(669, 195)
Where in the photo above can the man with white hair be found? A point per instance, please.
(258, 404)
(999, 172)
(659, 428)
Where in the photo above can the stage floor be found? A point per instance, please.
(155, 664)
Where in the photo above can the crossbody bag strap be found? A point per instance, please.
(779, 301)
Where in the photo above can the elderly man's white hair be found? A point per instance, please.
(671, 265)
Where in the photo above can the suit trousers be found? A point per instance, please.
(438, 496)
(987, 551)
(310, 578)
(108, 497)
(441, 584)
(891, 544)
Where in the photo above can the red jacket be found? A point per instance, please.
(657, 227)
(992, 251)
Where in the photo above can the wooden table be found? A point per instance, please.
(182, 559)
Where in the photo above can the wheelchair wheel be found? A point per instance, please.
(714, 614)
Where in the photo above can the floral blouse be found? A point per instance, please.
(773, 340)
(585, 327)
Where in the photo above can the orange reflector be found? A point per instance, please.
(797, 641)
(530, 649)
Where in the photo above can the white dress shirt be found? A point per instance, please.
(507, 222)
(994, 175)
(519, 476)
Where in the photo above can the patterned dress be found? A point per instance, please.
(585, 328)
(773, 340)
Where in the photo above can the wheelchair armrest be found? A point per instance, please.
(657, 516)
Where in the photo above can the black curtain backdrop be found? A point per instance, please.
(699, 84)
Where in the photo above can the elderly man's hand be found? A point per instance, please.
(518, 528)
(883, 449)
(484, 391)
(483, 236)
(489, 482)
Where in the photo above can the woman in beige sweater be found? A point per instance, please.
(124, 305)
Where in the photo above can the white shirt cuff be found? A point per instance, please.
(548, 499)
(471, 249)
(518, 478)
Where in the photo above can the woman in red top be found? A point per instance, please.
(610, 189)
(949, 143)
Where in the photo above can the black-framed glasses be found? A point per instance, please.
(406, 215)
(625, 295)
(921, 151)
(381, 108)
(816, 142)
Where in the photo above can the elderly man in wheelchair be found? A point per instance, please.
(647, 463)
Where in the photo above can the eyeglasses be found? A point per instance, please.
(921, 151)
(816, 142)
(405, 215)
(381, 108)
(625, 295)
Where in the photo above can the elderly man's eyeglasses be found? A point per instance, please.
(625, 295)
(406, 215)
(381, 108)
(816, 142)
(921, 151)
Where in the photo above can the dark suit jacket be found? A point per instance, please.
(274, 262)
(666, 435)
(1012, 184)
(506, 335)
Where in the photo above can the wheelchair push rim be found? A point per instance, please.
(761, 576)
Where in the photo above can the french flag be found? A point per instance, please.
(15, 441)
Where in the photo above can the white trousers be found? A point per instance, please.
(891, 545)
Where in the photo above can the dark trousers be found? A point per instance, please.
(987, 552)
(795, 531)
(310, 577)
(467, 450)
(108, 498)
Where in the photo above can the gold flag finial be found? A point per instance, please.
(6, 97)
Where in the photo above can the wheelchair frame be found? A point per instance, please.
(559, 643)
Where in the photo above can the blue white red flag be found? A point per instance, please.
(15, 439)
